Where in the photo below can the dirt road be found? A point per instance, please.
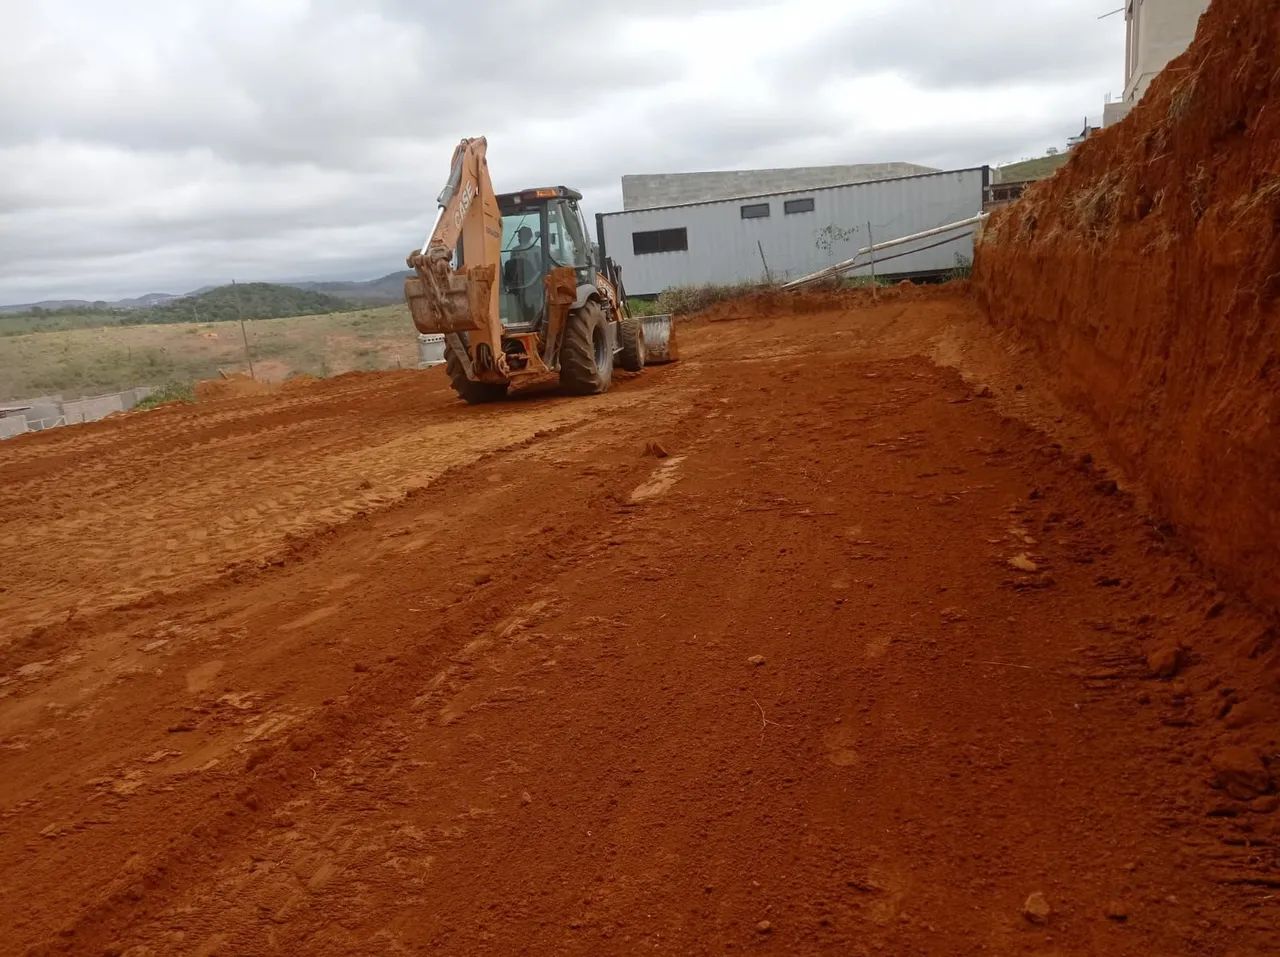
(857, 668)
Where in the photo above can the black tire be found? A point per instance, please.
(586, 361)
(473, 393)
(631, 338)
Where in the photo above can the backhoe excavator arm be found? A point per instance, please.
(449, 300)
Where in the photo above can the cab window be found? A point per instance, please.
(565, 240)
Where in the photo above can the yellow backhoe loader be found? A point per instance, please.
(520, 293)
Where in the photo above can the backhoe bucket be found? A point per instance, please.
(660, 339)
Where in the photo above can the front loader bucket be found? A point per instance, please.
(660, 339)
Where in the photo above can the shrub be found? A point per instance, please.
(963, 268)
(166, 394)
(683, 300)
(644, 307)
(862, 282)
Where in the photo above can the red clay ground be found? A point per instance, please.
(856, 669)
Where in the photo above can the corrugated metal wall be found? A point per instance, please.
(725, 248)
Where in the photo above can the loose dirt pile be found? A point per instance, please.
(231, 387)
(1146, 274)
(807, 301)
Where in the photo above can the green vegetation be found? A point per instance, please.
(683, 300)
(168, 393)
(963, 268)
(259, 300)
(644, 307)
(860, 282)
(1032, 169)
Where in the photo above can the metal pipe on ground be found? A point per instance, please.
(848, 264)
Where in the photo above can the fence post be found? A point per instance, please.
(243, 334)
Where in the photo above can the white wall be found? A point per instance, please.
(11, 425)
(1158, 31)
(48, 412)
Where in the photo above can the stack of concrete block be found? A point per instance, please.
(92, 409)
(45, 412)
(11, 425)
(49, 411)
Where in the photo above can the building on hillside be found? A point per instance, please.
(1011, 180)
(1084, 134)
(648, 190)
(790, 233)
(1156, 31)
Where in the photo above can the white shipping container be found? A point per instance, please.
(794, 233)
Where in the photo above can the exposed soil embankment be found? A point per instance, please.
(1147, 275)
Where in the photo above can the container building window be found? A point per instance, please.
(755, 211)
(660, 241)
(798, 206)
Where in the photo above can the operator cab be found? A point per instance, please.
(541, 229)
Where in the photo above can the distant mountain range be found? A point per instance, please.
(388, 289)
(373, 292)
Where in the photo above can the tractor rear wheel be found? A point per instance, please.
(586, 360)
(471, 392)
(631, 338)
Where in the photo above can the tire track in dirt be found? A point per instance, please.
(332, 727)
(116, 543)
(518, 709)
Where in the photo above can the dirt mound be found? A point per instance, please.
(805, 301)
(296, 383)
(1147, 274)
(232, 387)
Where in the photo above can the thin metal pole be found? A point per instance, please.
(767, 277)
(243, 333)
(871, 249)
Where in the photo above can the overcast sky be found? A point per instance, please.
(161, 146)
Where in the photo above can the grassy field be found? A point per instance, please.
(253, 300)
(88, 361)
(1032, 169)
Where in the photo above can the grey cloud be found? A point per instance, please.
(951, 45)
(169, 145)
(322, 86)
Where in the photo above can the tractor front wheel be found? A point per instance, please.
(631, 338)
(586, 360)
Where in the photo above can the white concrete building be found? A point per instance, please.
(787, 234)
(1156, 31)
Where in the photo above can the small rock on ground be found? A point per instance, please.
(1037, 909)
(1240, 772)
(1164, 661)
(656, 449)
(1023, 563)
(756, 660)
(1243, 714)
